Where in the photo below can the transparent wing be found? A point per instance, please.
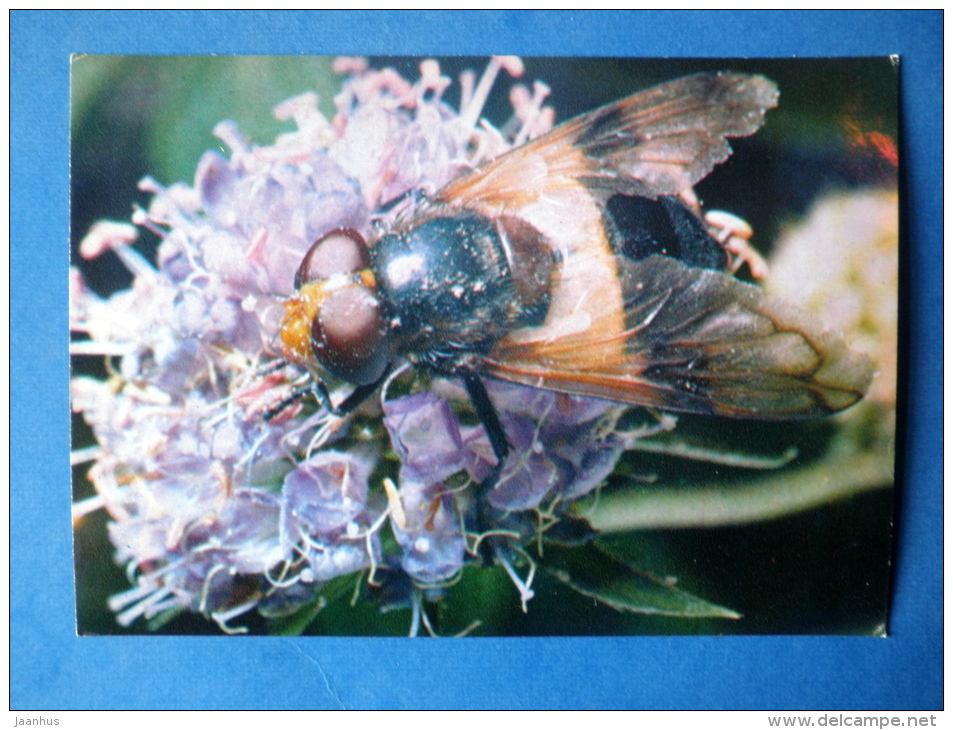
(693, 341)
(658, 142)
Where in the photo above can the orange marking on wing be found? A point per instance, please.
(619, 387)
(698, 342)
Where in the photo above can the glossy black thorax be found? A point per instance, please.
(453, 285)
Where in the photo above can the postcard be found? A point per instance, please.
(483, 346)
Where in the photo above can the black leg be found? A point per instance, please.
(416, 194)
(490, 419)
(486, 411)
(357, 396)
(319, 390)
(296, 395)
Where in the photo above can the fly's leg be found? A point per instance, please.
(490, 419)
(319, 391)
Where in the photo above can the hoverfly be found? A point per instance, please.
(571, 264)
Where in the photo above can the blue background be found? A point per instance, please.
(53, 669)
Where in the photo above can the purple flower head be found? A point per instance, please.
(325, 517)
(222, 502)
(559, 446)
(425, 434)
(325, 494)
(429, 529)
(546, 404)
(562, 447)
(210, 563)
(557, 450)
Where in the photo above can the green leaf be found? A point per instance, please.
(296, 623)
(570, 531)
(194, 93)
(599, 576)
(679, 446)
(479, 604)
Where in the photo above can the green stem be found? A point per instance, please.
(713, 505)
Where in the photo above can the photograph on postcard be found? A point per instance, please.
(483, 346)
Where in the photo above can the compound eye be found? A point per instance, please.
(349, 336)
(341, 251)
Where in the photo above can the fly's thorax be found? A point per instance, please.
(454, 284)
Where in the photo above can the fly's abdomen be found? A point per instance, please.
(641, 227)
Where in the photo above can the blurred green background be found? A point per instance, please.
(821, 571)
